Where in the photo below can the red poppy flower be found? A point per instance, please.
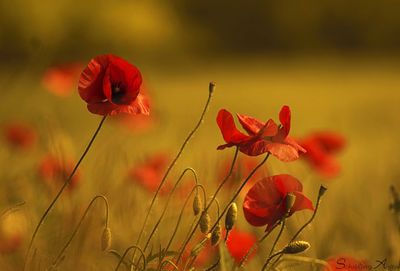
(321, 148)
(60, 80)
(261, 137)
(345, 263)
(20, 135)
(137, 123)
(150, 173)
(110, 85)
(265, 202)
(239, 243)
(54, 172)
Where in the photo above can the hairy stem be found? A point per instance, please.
(55, 262)
(211, 89)
(66, 183)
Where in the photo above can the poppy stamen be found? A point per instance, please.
(117, 92)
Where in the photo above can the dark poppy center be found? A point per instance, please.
(117, 92)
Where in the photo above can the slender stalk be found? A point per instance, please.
(277, 237)
(167, 203)
(181, 213)
(279, 253)
(126, 252)
(55, 262)
(229, 203)
(170, 263)
(321, 192)
(210, 92)
(66, 183)
(180, 218)
(209, 204)
(255, 245)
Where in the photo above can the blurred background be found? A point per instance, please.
(335, 62)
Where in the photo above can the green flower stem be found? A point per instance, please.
(191, 134)
(305, 225)
(66, 183)
(55, 262)
(126, 252)
(229, 203)
(167, 203)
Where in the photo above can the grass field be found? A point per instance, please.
(358, 98)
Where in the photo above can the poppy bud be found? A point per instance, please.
(106, 239)
(231, 216)
(205, 222)
(296, 247)
(196, 205)
(322, 190)
(216, 235)
(290, 200)
(211, 87)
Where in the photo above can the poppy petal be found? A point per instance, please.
(251, 125)
(284, 118)
(286, 183)
(91, 80)
(228, 128)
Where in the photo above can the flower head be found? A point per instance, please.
(265, 203)
(20, 135)
(261, 137)
(321, 148)
(110, 85)
(239, 243)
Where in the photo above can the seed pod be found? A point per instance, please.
(290, 200)
(205, 221)
(231, 216)
(106, 239)
(196, 205)
(216, 235)
(296, 247)
(211, 87)
(322, 190)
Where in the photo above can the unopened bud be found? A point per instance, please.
(290, 200)
(211, 87)
(322, 190)
(231, 216)
(216, 235)
(296, 247)
(106, 239)
(204, 222)
(196, 205)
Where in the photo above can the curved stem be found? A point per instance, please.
(173, 164)
(167, 203)
(277, 237)
(305, 225)
(80, 223)
(66, 183)
(181, 214)
(126, 252)
(255, 245)
(169, 262)
(229, 203)
(280, 253)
